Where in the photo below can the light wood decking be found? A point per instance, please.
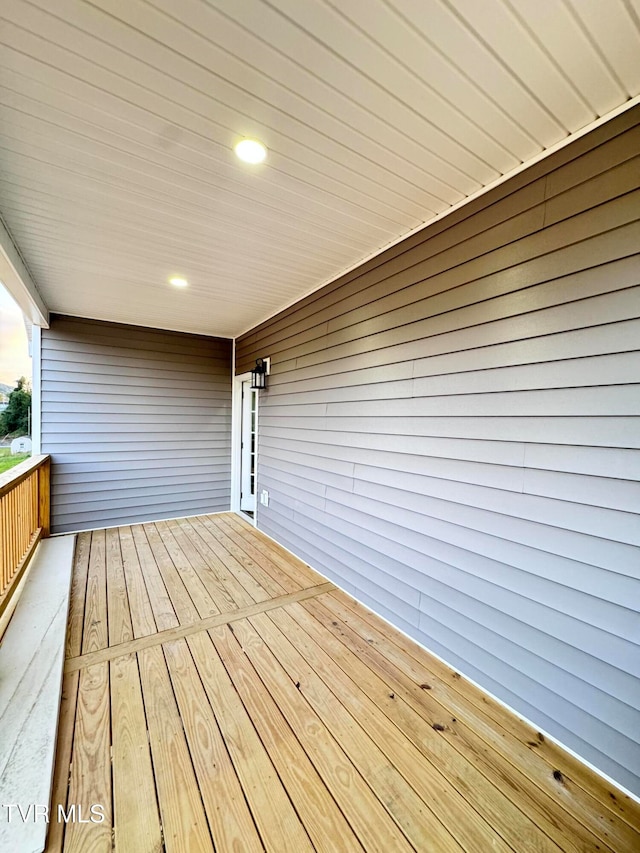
(219, 694)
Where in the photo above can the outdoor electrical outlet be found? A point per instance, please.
(264, 497)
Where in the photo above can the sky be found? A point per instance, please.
(14, 346)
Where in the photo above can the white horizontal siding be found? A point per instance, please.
(137, 422)
(452, 433)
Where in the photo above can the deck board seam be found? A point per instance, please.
(179, 632)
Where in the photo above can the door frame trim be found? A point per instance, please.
(236, 459)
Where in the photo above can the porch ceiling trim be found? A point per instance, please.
(18, 281)
(542, 155)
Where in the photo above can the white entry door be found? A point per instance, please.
(248, 447)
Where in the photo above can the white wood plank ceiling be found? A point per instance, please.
(118, 119)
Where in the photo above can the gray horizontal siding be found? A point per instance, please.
(452, 433)
(137, 421)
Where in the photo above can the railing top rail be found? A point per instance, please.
(10, 479)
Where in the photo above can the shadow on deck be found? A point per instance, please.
(219, 694)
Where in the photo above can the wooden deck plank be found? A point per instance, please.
(241, 583)
(300, 572)
(295, 718)
(184, 823)
(90, 780)
(321, 816)
(246, 547)
(381, 756)
(184, 552)
(222, 586)
(555, 757)
(483, 772)
(75, 624)
(180, 580)
(62, 768)
(161, 602)
(279, 825)
(248, 571)
(515, 741)
(135, 810)
(96, 633)
(488, 798)
(141, 611)
(527, 748)
(230, 820)
(374, 825)
(119, 616)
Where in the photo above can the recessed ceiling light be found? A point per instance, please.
(176, 281)
(250, 150)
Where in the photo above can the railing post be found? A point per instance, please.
(44, 497)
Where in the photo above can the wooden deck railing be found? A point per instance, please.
(24, 519)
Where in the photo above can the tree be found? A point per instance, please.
(16, 417)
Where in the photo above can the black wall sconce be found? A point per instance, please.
(259, 375)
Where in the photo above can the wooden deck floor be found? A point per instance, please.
(220, 695)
